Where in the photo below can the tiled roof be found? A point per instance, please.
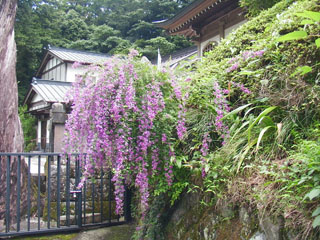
(71, 55)
(50, 91)
(180, 55)
(193, 17)
(176, 57)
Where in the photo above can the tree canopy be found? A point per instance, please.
(105, 26)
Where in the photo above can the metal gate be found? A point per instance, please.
(41, 197)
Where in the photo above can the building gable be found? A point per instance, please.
(57, 63)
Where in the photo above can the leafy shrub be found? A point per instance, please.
(29, 133)
(256, 6)
(267, 121)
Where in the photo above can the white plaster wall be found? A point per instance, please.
(36, 98)
(228, 30)
(63, 73)
(204, 44)
(72, 72)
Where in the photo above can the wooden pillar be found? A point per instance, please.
(39, 135)
(48, 129)
(221, 29)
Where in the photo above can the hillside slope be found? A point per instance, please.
(253, 131)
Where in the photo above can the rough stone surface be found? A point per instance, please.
(226, 211)
(58, 113)
(190, 220)
(258, 236)
(248, 221)
(272, 230)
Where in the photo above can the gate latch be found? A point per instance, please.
(75, 192)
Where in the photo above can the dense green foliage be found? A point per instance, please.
(28, 123)
(105, 26)
(263, 152)
(254, 7)
(267, 72)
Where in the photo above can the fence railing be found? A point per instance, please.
(39, 194)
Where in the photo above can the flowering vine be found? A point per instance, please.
(246, 55)
(119, 119)
(222, 108)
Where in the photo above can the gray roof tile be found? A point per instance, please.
(71, 55)
(51, 91)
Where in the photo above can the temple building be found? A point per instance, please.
(46, 98)
(205, 22)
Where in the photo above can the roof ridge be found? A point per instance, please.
(181, 12)
(36, 81)
(77, 51)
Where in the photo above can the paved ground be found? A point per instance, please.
(122, 232)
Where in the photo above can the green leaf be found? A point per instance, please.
(172, 159)
(267, 121)
(207, 168)
(316, 212)
(313, 193)
(310, 14)
(318, 43)
(178, 162)
(264, 113)
(249, 110)
(247, 72)
(235, 111)
(302, 70)
(244, 154)
(316, 222)
(296, 35)
(239, 129)
(262, 100)
(307, 21)
(261, 135)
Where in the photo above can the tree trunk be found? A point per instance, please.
(11, 136)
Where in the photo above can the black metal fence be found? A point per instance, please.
(38, 195)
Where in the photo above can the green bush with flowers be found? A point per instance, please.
(240, 118)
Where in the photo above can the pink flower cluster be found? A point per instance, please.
(222, 108)
(182, 99)
(204, 152)
(236, 61)
(113, 121)
(241, 87)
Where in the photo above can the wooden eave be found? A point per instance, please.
(200, 15)
(29, 96)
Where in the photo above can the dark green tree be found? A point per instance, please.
(106, 26)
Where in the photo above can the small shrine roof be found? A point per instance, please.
(50, 91)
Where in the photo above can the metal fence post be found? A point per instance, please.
(127, 205)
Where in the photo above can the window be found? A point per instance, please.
(209, 47)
